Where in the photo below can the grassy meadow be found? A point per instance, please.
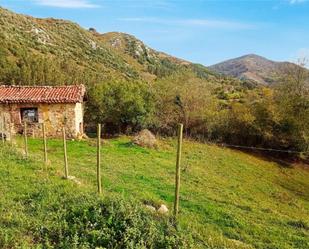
(229, 199)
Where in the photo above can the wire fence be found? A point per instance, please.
(66, 171)
(6, 135)
(262, 149)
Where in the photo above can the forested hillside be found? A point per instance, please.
(131, 86)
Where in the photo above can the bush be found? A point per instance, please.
(109, 223)
(122, 106)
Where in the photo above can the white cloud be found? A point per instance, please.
(67, 3)
(297, 1)
(208, 23)
(157, 4)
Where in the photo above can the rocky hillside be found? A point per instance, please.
(31, 45)
(24, 36)
(251, 67)
(149, 62)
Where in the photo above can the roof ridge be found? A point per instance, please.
(42, 94)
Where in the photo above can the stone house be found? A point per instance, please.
(56, 106)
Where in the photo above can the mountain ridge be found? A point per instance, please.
(252, 67)
(115, 54)
(28, 40)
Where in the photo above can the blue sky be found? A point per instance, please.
(205, 32)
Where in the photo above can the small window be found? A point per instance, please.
(29, 115)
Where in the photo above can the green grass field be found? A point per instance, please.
(229, 199)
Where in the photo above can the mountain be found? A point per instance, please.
(55, 51)
(149, 62)
(251, 67)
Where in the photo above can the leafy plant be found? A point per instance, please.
(108, 223)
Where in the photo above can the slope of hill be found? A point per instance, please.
(251, 67)
(229, 199)
(151, 63)
(23, 36)
(64, 46)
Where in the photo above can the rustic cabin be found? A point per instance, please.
(56, 106)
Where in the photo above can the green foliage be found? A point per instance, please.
(236, 113)
(121, 105)
(228, 199)
(182, 97)
(151, 59)
(292, 98)
(58, 46)
(131, 86)
(202, 72)
(109, 223)
(162, 68)
(47, 212)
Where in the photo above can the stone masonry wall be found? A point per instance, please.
(55, 116)
(79, 118)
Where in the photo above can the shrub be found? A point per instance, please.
(120, 105)
(109, 223)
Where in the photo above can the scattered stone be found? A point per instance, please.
(74, 179)
(93, 44)
(145, 139)
(41, 35)
(163, 209)
(116, 43)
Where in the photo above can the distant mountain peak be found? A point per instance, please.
(250, 67)
(253, 56)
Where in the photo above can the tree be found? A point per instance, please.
(292, 98)
(182, 98)
(121, 105)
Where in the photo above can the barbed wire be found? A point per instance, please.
(261, 148)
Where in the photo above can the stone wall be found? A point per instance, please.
(55, 117)
(79, 119)
(5, 118)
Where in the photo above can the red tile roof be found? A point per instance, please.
(42, 94)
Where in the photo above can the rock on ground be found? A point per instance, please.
(145, 139)
(163, 209)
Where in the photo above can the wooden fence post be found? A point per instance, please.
(25, 139)
(177, 176)
(10, 134)
(99, 159)
(45, 144)
(66, 170)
